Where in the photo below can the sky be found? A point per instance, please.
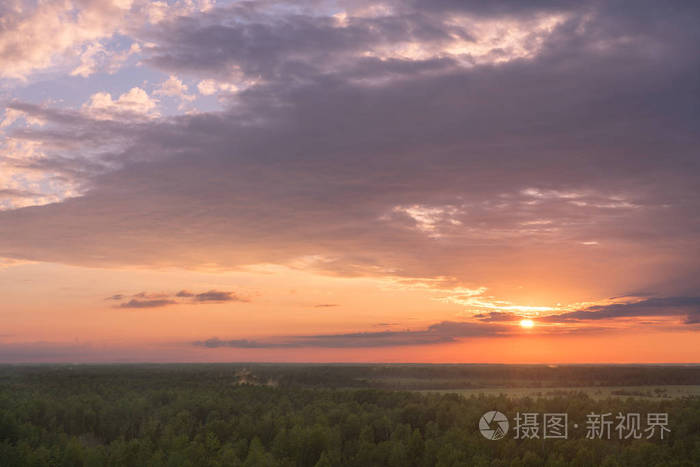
(349, 181)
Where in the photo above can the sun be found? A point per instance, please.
(527, 323)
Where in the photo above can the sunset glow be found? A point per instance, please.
(333, 181)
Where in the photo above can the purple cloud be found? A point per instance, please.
(580, 149)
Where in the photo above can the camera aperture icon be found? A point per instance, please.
(493, 425)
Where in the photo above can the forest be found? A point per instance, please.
(323, 415)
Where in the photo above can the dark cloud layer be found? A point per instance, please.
(688, 307)
(580, 153)
(446, 331)
(438, 333)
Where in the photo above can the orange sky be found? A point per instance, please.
(63, 313)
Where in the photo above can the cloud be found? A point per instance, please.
(208, 87)
(160, 299)
(393, 163)
(96, 57)
(174, 87)
(403, 39)
(688, 307)
(82, 35)
(150, 295)
(35, 36)
(148, 303)
(10, 262)
(13, 193)
(134, 103)
(498, 316)
(326, 305)
(217, 296)
(693, 318)
(13, 115)
(439, 333)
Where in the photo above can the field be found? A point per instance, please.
(339, 415)
(595, 392)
